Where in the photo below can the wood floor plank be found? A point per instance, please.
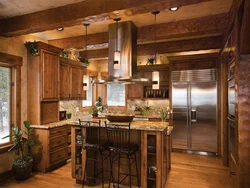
(188, 171)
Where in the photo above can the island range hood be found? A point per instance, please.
(127, 45)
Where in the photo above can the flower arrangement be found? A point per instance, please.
(32, 47)
(164, 113)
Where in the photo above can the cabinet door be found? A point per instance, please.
(50, 76)
(75, 81)
(134, 91)
(64, 81)
(82, 93)
(164, 77)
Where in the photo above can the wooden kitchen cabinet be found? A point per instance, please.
(54, 147)
(50, 75)
(194, 62)
(72, 86)
(134, 91)
(156, 160)
(64, 81)
(43, 84)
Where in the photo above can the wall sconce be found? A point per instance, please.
(85, 82)
(156, 80)
(117, 53)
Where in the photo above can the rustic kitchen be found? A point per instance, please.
(150, 94)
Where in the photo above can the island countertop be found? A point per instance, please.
(135, 125)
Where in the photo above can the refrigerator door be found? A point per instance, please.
(180, 115)
(203, 116)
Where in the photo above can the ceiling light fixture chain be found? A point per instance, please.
(155, 74)
(155, 13)
(86, 39)
(117, 54)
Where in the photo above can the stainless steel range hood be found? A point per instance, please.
(127, 45)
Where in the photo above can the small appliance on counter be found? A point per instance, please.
(62, 115)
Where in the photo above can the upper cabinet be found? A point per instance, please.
(71, 79)
(43, 84)
(194, 62)
(50, 75)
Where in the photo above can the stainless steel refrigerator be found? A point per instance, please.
(194, 108)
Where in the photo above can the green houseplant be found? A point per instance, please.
(94, 112)
(69, 114)
(150, 61)
(83, 60)
(32, 48)
(22, 145)
(98, 104)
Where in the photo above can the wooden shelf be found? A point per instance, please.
(155, 98)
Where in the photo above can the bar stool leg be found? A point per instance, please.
(129, 166)
(119, 158)
(85, 168)
(137, 174)
(102, 172)
(111, 169)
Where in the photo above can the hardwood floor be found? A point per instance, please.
(188, 171)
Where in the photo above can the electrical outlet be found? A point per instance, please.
(77, 109)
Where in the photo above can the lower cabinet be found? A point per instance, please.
(156, 160)
(54, 147)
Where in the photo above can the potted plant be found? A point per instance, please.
(23, 163)
(94, 112)
(98, 104)
(150, 61)
(69, 114)
(83, 60)
(164, 113)
(32, 48)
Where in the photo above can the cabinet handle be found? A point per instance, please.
(69, 96)
(232, 173)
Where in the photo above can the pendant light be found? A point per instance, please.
(155, 74)
(117, 53)
(86, 77)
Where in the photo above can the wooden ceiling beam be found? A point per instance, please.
(180, 46)
(164, 47)
(205, 26)
(85, 11)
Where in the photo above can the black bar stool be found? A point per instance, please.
(95, 147)
(120, 146)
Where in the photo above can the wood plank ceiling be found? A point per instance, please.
(196, 19)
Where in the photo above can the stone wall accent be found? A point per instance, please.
(244, 120)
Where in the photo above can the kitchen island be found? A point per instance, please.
(154, 156)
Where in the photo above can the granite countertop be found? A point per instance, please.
(135, 125)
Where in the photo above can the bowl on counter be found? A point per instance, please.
(120, 118)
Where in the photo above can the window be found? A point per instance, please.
(88, 101)
(116, 95)
(10, 97)
(5, 104)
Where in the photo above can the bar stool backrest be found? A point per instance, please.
(91, 133)
(118, 135)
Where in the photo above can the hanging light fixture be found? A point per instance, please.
(86, 77)
(117, 53)
(155, 74)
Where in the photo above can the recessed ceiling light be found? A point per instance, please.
(60, 29)
(173, 9)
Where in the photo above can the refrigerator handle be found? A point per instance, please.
(193, 116)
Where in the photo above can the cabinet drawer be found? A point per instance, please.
(58, 156)
(58, 131)
(58, 141)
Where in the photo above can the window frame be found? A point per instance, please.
(93, 90)
(14, 63)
